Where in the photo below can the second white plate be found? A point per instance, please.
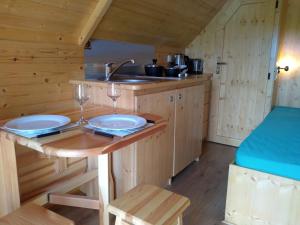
(117, 122)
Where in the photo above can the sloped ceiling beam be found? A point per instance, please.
(87, 30)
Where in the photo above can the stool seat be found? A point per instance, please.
(32, 214)
(148, 204)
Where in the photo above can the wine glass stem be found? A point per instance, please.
(81, 114)
(115, 106)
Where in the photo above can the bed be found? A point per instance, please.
(264, 181)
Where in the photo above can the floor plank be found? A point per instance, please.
(204, 182)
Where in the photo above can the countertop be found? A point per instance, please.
(155, 86)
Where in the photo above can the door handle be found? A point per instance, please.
(180, 96)
(219, 65)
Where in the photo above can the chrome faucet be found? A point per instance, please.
(109, 72)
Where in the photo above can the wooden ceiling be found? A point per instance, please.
(44, 20)
(159, 22)
(173, 23)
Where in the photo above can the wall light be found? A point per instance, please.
(288, 64)
(286, 68)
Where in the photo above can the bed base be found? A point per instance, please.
(257, 198)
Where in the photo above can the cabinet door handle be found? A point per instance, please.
(180, 96)
(171, 98)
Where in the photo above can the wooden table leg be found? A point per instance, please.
(91, 188)
(9, 186)
(105, 184)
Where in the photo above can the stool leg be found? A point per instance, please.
(179, 220)
(118, 221)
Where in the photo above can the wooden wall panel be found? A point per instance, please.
(288, 83)
(35, 77)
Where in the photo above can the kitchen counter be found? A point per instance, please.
(152, 87)
(183, 103)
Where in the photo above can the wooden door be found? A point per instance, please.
(242, 92)
(155, 154)
(189, 112)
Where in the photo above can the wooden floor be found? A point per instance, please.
(204, 182)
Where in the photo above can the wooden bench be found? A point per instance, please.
(32, 214)
(149, 205)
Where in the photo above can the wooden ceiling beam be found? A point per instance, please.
(97, 14)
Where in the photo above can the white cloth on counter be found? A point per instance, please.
(119, 133)
(34, 134)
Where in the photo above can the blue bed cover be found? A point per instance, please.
(274, 146)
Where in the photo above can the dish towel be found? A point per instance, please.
(34, 134)
(119, 133)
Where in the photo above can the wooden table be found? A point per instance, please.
(78, 142)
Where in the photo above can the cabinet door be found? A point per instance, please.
(155, 154)
(188, 126)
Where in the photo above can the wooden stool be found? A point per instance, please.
(149, 205)
(32, 214)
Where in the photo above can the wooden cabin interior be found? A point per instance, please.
(150, 112)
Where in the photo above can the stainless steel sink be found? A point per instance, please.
(131, 79)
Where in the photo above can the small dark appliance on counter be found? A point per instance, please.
(194, 66)
(197, 65)
(154, 69)
(178, 65)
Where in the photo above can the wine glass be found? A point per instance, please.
(81, 96)
(114, 92)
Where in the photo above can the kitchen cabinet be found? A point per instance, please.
(155, 155)
(182, 141)
(189, 110)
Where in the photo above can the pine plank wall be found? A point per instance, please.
(34, 79)
(287, 85)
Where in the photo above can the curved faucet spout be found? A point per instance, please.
(108, 68)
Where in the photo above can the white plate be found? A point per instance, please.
(117, 122)
(36, 123)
